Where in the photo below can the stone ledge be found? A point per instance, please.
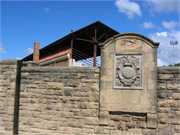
(168, 70)
(8, 62)
(61, 69)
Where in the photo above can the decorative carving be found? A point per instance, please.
(128, 71)
(129, 44)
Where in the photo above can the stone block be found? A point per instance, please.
(75, 123)
(95, 96)
(99, 130)
(149, 132)
(92, 121)
(176, 96)
(52, 125)
(121, 126)
(151, 120)
(83, 105)
(8, 126)
(162, 104)
(161, 94)
(174, 103)
(173, 85)
(126, 119)
(68, 91)
(94, 87)
(115, 117)
(161, 86)
(76, 131)
(165, 76)
(177, 77)
(87, 131)
(93, 105)
(115, 132)
(141, 124)
(112, 123)
(55, 85)
(10, 110)
(130, 125)
(65, 130)
(104, 118)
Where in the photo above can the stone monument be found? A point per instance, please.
(129, 77)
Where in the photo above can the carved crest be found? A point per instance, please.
(128, 71)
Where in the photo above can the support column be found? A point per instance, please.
(95, 48)
(36, 51)
(72, 52)
(95, 54)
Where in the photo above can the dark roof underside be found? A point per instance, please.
(83, 41)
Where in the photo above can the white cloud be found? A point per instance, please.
(165, 50)
(46, 9)
(162, 34)
(170, 25)
(165, 6)
(129, 8)
(30, 50)
(18, 58)
(148, 25)
(2, 49)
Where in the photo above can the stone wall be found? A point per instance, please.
(9, 95)
(65, 100)
(59, 100)
(168, 100)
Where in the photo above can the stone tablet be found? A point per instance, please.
(128, 71)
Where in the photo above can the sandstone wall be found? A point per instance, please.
(65, 100)
(59, 100)
(9, 95)
(168, 100)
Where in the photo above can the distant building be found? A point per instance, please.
(78, 45)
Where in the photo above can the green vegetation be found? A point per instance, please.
(176, 65)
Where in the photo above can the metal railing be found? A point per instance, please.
(84, 58)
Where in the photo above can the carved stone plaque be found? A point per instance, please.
(128, 71)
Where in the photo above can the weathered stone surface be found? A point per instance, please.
(115, 117)
(176, 96)
(161, 86)
(162, 104)
(104, 118)
(141, 124)
(68, 91)
(92, 121)
(165, 76)
(55, 86)
(151, 120)
(99, 130)
(173, 85)
(121, 126)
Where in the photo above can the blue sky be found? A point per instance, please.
(25, 22)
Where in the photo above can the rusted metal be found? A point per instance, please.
(84, 39)
(95, 47)
(89, 36)
(87, 60)
(101, 36)
(71, 51)
(71, 47)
